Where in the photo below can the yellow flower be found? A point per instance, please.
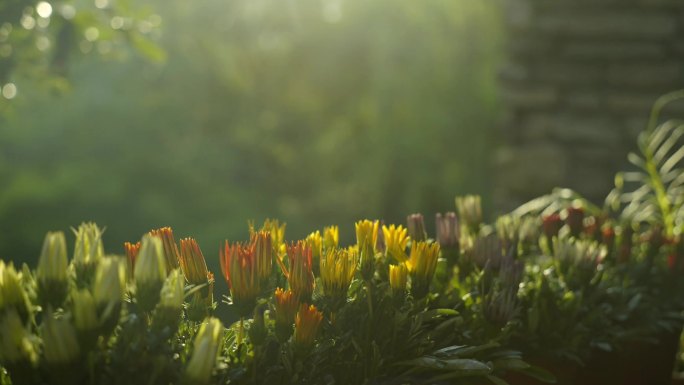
(396, 239)
(398, 278)
(12, 293)
(15, 341)
(300, 276)
(84, 311)
(239, 267)
(337, 271)
(277, 231)
(307, 324)
(286, 304)
(366, 240)
(315, 242)
(60, 345)
(263, 248)
(171, 254)
(205, 352)
(331, 237)
(421, 266)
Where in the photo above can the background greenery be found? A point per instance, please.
(314, 112)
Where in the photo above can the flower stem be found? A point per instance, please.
(241, 329)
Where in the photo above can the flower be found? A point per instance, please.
(84, 311)
(170, 306)
(331, 237)
(396, 239)
(315, 242)
(366, 239)
(12, 293)
(469, 209)
(416, 227)
(421, 266)
(285, 310)
(52, 283)
(60, 344)
(337, 271)
(206, 348)
(263, 249)
(398, 277)
(277, 231)
(171, 254)
(300, 276)
(194, 268)
(16, 344)
(132, 250)
(238, 264)
(150, 272)
(109, 290)
(448, 232)
(307, 324)
(87, 252)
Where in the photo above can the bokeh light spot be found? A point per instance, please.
(9, 91)
(44, 9)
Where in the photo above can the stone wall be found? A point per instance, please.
(578, 84)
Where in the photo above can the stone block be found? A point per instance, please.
(529, 96)
(532, 169)
(563, 72)
(612, 50)
(608, 23)
(583, 100)
(585, 129)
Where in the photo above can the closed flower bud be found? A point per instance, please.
(171, 254)
(263, 249)
(421, 265)
(84, 311)
(551, 225)
(194, 268)
(574, 218)
(398, 277)
(396, 239)
(469, 210)
(150, 272)
(277, 232)
(416, 227)
(286, 304)
(337, 271)
(448, 232)
(307, 325)
(87, 252)
(52, 265)
(300, 275)
(499, 308)
(205, 352)
(315, 242)
(169, 310)
(366, 240)
(331, 237)
(60, 344)
(258, 331)
(238, 264)
(12, 294)
(16, 345)
(132, 250)
(109, 290)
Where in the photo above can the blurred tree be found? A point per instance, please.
(316, 112)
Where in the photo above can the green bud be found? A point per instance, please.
(84, 311)
(51, 275)
(16, 345)
(12, 294)
(108, 291)
(169, 310)
(60, 345)
(87, 252)
(205, 352)
(150, 272)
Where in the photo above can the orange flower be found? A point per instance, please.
(132, 250)
(170, 247)
(300, 276)
(261, 243)
(239, 267)
(194, 267)
(307, 324)
(285, 306)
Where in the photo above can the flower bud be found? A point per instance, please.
(258, 331)
(396, 239)
(150, 272)
(60, 344)
(551, 225)
(448, 232)
(12, 293)
(170, 308)
(171, 254)
(469, 209)
(285, 310)
(416, 227)
(238, 264)
(263, 249)
(85, 317)
(205, 352)
(575, 220)
(277, 232)
(109, 290)
(307, 324)
(51, 275)
(300, 276)
(331, 237)
(366, 240)
(194, 268)
(315, 242)
(16, 345)
(421, 265)
(87, 252)
(132, 250)
(337, 271)
(499, 308)
(398, 277)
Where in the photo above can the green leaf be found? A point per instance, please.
(454, 364)
(510, 364)
(540, 374)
